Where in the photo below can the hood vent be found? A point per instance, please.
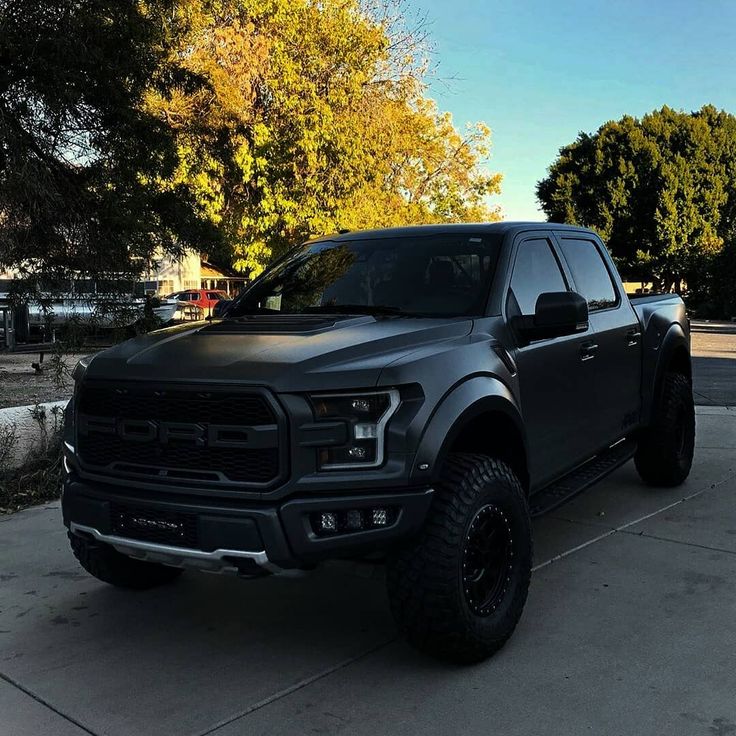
(288, 323)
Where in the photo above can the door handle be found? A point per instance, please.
(632, 338)
(588, 351)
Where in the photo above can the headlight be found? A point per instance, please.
(81, 367)
(366, 415)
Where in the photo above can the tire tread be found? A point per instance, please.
(422, 576)
(657, 460)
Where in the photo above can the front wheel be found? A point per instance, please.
(457, 590)
(665, 452)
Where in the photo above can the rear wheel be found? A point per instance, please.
(107, 564)
(458, 589)
(665, 452)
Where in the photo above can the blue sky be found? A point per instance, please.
(539, 72)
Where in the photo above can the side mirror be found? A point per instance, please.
(556, 313)
(221, 307)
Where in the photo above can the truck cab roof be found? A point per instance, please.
(481, 228)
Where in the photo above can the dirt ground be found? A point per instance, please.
(21, 384)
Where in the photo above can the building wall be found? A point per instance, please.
(171, 275)
(174, 275)
(638, 287)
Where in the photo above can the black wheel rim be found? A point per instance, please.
(487, 560)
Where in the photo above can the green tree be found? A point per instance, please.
(313, 119)
(80, 157)
(659, 190)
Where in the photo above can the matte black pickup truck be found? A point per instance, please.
(411, 396)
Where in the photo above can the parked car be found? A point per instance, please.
(204, 298)
(413, 394)
(173, 311)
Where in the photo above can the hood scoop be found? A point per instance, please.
(268, 324)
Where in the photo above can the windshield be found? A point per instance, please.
(431, 276)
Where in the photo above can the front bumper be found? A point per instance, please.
(226, 535)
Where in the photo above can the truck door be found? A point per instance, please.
(617, 334)
(556, 380)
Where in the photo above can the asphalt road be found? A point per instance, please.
(714, 366)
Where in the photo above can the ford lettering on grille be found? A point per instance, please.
(199, 435)
(215, 436)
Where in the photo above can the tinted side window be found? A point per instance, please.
(589, 271)
(535, 271)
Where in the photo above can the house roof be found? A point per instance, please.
(210, 271)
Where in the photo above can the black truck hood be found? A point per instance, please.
(306, 355)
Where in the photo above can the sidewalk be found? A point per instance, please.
(629, 629)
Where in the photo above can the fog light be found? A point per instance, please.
(354, 519)
(328, 522)
(379, 517)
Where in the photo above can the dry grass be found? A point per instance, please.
(38, 479)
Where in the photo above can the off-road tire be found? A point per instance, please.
(665, 452)
(425, 576)
(110, 566)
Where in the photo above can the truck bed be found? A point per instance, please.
(668, 308)
(651, 298)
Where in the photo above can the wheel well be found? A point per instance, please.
(679, 362)
(495, 434)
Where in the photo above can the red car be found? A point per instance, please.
(205, 298)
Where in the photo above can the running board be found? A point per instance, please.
(582, 477)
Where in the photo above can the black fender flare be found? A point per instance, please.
(480, 394)
(674, 340)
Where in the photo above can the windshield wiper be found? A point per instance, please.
(374, 310)
(371, 309)
(250, 314)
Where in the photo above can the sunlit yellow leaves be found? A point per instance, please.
(313, 118)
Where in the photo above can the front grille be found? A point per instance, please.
(205, 434)
(182, 460)
(210, 407)
(152, 525)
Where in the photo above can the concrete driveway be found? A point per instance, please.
(630, 628)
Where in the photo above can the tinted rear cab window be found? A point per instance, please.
(589, 271)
